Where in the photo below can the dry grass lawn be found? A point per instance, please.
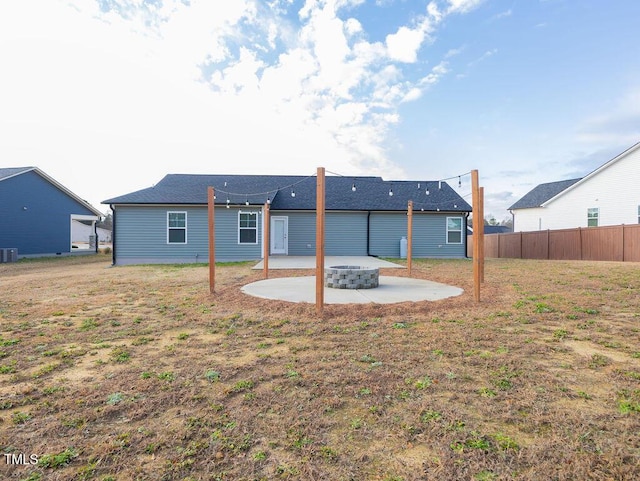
(137, 373)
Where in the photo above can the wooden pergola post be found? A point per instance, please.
(266, 224)
(212, 240)
(320, 194)
(409, 235)
(475, 194)
(481, 232)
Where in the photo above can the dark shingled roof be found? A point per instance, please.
(11, 171)
(372, 193)
(542, 193)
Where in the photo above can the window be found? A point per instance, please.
(454, 230)
(247, 228)
(592, 217)
(176, 227)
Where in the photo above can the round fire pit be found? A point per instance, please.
(351, 277)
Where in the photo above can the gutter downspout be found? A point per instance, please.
(95, 232)
(113, 235)
(466, 236)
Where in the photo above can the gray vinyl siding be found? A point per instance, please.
(346, 234)
(302, 232)
(429, 235)
(386, 230)
(141, 235)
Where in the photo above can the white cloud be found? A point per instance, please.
(506, 13)
(436, 74)
(463, 6)
(618, 127)
(403, 45)
(224, 86)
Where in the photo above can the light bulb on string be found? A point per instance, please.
(269, 200)
(293, 193)
(391, 192)
(353, 187)
(427, 191)
(459, 182)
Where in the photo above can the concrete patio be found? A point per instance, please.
(309, 262)
(303, 289)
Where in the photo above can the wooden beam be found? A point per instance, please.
(267, 238)
(320, 199)
(475, 194)
(212, 240)
(409, 235)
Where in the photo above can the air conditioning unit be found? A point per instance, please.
(10, 254)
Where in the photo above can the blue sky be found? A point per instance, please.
(109, 96)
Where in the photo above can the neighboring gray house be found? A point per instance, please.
(168, 223)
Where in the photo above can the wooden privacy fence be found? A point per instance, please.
(610, 243)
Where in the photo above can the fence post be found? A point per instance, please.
(580, 237)
(548, 246)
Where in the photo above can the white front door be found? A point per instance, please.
(279, 235)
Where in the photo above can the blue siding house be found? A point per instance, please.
(36, 212)
(168, 223)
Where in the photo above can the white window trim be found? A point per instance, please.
(595, 210)
(456, 230)
(252, 212)
(185, 226)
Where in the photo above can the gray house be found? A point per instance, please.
(168, 223)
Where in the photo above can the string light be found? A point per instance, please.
(391, 192)
(459, 182)
(293, 193)
(269, 200)
(353, 187)
(246, 202)
(427, 191)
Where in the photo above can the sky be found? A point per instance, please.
(109, 96)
